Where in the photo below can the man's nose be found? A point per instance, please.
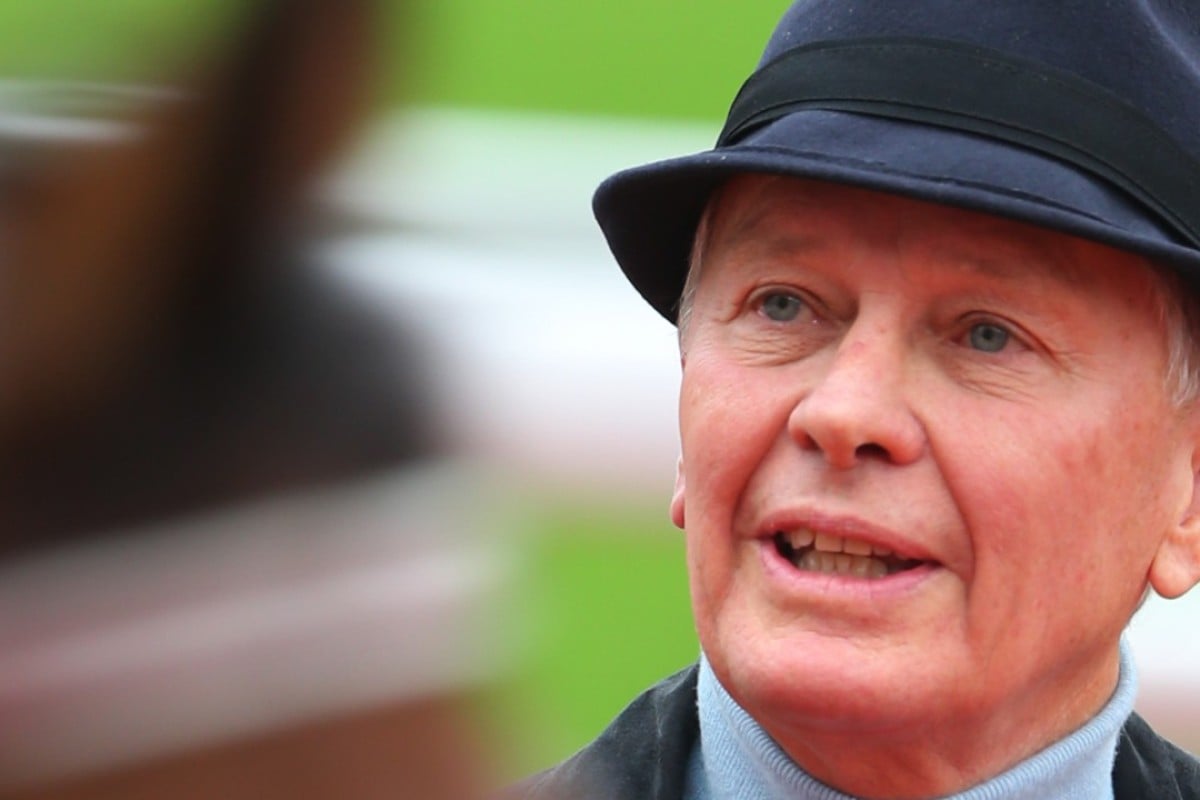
(857, 408)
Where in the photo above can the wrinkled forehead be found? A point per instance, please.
(774, 217)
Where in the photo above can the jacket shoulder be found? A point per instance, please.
(1149, 767)
(642, 754)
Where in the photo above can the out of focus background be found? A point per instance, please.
(462, 205)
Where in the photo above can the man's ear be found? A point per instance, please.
(677, 496)
(1176, 566)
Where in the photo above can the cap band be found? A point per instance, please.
(977, 90)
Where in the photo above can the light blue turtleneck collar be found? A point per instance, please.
(737, 760)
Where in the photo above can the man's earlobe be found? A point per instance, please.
(1176, 566)
(677, 496)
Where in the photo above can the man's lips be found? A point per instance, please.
(841, 546)
(834, 555)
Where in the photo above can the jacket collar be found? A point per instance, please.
(643, 755)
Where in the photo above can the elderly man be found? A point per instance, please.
(939, 417)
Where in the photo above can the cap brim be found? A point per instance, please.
(649, 214)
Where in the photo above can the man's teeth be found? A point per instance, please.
(824, 552)
(828, 543)
(842, 564)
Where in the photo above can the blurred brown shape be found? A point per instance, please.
(165, 345)
(168, 349)
(420, 749)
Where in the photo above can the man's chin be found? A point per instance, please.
(841, 685)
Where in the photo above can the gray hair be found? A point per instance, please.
(1179, 313)
(687, 297)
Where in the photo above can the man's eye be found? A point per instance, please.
(988, 337)
(782, 307)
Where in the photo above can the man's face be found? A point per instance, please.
(974, 410)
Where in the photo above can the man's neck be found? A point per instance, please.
(739, 754)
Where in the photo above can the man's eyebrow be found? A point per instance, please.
(779, 247)
(763, 233)
(1011, 262)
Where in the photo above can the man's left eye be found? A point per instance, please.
(988, 337)
(782, 307)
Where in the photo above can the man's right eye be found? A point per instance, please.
(781, 306)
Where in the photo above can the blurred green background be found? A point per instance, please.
(604, 608)
(654, 58)
(603, 584)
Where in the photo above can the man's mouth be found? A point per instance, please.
(835, 555)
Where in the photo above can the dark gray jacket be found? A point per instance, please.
(643, 755)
